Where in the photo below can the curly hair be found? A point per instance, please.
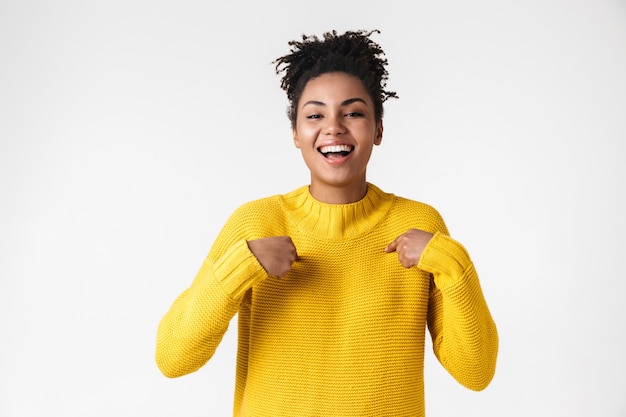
(353, 53)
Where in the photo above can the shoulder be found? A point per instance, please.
(410, 204)
(419, 214)
(257, 212)
(263, 216)
(258, 205)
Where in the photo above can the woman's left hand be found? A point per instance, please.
(410, 246)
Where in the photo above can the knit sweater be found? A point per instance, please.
(343, 333)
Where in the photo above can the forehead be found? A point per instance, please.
(334, 86)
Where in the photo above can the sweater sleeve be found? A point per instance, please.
(191, 330)
(465, 338)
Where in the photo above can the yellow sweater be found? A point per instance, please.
(343, 333)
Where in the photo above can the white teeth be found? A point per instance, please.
(335, 148)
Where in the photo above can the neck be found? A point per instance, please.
(339, 194)
(328, 221)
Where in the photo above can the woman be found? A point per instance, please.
(334, 283)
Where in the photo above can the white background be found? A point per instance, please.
(130, 130)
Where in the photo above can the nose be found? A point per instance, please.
(334, 126)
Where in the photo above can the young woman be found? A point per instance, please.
(334, 283)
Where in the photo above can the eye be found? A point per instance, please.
(354, 114)
(314, 116)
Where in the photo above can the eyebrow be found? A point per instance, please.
(343, 103)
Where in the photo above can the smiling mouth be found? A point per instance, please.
(335, 151)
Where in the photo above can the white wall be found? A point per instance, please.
(129, 131)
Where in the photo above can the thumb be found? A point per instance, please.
(392, 246)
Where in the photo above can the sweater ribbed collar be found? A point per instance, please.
(336, 221)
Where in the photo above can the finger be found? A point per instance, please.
(294, 254)
(293, 248)
(392, 246)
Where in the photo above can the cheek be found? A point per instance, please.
(305, 134)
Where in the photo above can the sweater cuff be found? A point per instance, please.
(446, 259)
(238, 270)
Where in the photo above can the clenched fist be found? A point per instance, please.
(275, 254)
(410, 246)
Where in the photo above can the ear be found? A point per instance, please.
(379, 133)
(296, 141)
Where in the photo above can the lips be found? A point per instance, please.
(335, 151)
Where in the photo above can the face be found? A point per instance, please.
(336, 130)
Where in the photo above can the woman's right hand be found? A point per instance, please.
(275, 254)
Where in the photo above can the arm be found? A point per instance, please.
(465, 338)
(193, 327)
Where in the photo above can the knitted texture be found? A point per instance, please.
(343, 333)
